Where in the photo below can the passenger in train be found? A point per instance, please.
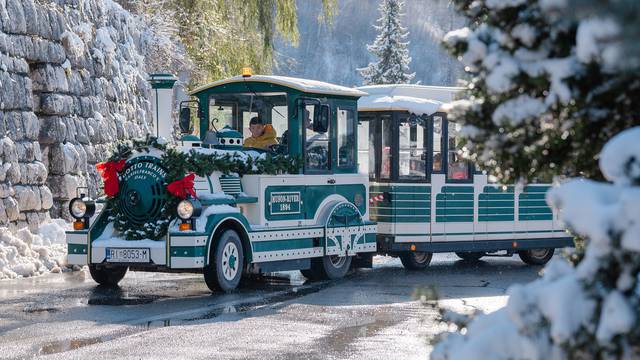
(262, 135)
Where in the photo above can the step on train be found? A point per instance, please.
(379, 172)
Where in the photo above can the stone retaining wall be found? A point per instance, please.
(72, 82)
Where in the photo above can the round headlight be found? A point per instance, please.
(78, 208)
(185, 209)
(82, 207)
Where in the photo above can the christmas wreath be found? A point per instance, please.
(181, 168)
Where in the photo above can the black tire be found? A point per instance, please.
(226, 262)
(107, 276)
(536, 256)
(328, 267)
(470, 256)
(416, 260)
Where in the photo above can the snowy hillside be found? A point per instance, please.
(332, 53)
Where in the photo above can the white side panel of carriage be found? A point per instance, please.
(255, 185)
(531, 229)
(437, 228)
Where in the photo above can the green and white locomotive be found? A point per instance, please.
(206, 204)
(426, 198)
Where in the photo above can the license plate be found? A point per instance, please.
(127, 255)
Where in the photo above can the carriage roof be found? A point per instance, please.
(417, 99)
(302, 85)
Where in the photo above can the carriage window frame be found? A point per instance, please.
(353, 165)
(394, 118)
(445, 159)
(370, 141)
(427, 148)
(330, 138)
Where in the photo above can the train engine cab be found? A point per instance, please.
(426, 198)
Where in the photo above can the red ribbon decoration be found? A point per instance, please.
(183, 187)
(109, 171)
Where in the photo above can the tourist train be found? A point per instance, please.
(273, 173)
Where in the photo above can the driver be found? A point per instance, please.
(262, 135)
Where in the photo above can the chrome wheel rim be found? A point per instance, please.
(230, 261)
(420, 257)
(337, 261)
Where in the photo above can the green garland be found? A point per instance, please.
(178, 164)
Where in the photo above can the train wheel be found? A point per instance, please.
(329, 267)
(536, 256)
(107, 276)
(470, 256)
(226, 262)
(416, 260)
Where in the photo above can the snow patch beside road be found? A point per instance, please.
(25, 254)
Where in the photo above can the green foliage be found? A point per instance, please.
(178, 164)
(222, 36)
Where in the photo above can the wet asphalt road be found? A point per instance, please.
(371, 314)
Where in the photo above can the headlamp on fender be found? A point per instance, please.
(82, 209)
(188, 210)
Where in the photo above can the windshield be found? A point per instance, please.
(237, 110)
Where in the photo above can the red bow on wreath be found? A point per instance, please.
(183, 187)
(109, 171)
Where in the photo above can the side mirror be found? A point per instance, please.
(321, 119)
(185, 120)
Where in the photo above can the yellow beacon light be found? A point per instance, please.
(246, 72)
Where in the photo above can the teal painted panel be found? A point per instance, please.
(453, 218)
(532, 196)
(411, 203)
(498, 189)
(536, 189)
(76, 249)
(188, 251)
(496, 203)
(535, 210)
(495, 218)
(529, 203)
(396, 196)
(276, 245)
(451, 203)
(496, 196)
(535, 217)
(409, 219)
(457, 189)
(450, 211)
(495, 211)
(454, 197)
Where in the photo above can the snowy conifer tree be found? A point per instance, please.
(390, 48)
(552, 88)
(546, 90)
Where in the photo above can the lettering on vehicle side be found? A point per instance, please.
(144, 170)
(285, 203)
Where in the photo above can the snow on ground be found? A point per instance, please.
(25, 254)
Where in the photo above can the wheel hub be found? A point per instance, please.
(230, 261)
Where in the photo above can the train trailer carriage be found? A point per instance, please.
(315, 219)
(426, 198)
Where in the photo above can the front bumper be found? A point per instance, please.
(186, 250)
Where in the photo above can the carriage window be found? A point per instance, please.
(437, 143)
(316, 142)
(279, 117)
(412, 149)
(366, 146)
(387, 140)
(346, 137)
(220, 115)
(458, 168)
